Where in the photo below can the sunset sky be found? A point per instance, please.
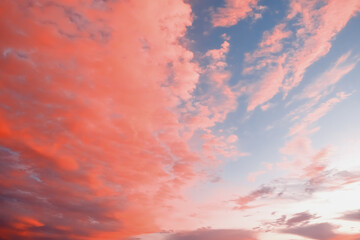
(180, 119)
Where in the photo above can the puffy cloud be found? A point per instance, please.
(219, 54)
(232, 138)
(97, 115)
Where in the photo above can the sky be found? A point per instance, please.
(179, 119)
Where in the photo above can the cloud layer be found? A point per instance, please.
(115, 123)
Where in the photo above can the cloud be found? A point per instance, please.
(88, 102)
(315, 28)
(283, 222)
(300, 218)
(253, 175)
(232, 138)
(214, 234)
(299, 145)
(274, 37)
(320, 86)
(243, 202)
(268, 87)
(234, 11)
(316, 114)
(215, 103)
(352, 215)
(320, 231)
(271, 43)
(219, 54)
(312, 166)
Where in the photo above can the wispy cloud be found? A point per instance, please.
(234, 11)
(315, 29)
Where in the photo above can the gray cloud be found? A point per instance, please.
(319, 231)
(214, 234)
(352, 215)
(302, 217)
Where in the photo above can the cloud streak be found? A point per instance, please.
(214, 234)
(315, 30)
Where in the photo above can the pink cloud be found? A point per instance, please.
(265, 106)
(316, 114)
(98, 104)
(220, 145)
(232, 138)
(214, 105)
(330, 77)
(271, 43)
(234, 11)
(322, 25)
(268, 87)
(85, 122)
(253, 175)
(298, 145)
(317, 27)
(275, 36)
(269, 166)
(219, 54)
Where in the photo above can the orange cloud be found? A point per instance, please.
(92, 126)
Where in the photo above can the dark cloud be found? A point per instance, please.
(352, 215)
(214, 234)
(319, 231)
(259, 193)
(300, 218)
